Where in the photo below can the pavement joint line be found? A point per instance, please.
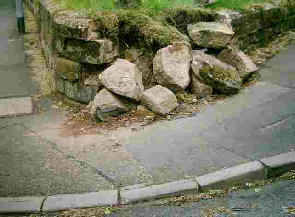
(119, 196)
(68, 155)
(274, 124)
(42, 204)
(277, 164)
(28, 204)
(14, 96)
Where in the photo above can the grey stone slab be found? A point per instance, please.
(156, 191)
(16, 106)
(74, 201)
(20, 204)
(234, 175)
(279, 163)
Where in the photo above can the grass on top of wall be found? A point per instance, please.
(113, 4)
(235, 4)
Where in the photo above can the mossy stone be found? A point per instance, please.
(221, 80)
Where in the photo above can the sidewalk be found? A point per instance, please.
(38, 157)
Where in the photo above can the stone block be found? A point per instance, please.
(68, 69)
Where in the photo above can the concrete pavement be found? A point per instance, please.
(29, 164)
(15, 76)
(40, 154)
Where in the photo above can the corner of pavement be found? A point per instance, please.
(45, 168)
(255, 170)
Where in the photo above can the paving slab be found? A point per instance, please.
(21, 204)
(16, 106)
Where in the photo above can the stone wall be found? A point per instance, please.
(73, 52)
(258, 25)
(79, 47)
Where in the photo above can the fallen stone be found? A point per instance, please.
(210, 34)
(220, 76)
(143, 111)
(123, 78)
(107, 105)
(159, 99)
(172, 65)
(200, 89)
(224, 81)
(240, 60)
(201, 59)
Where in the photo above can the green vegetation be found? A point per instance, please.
(117, 4)
(235, 4)
(157, 28)
(160, 4)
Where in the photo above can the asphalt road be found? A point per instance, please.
(270, 201)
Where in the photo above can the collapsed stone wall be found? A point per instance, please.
(78, 47)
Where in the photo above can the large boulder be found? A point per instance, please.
(210, 34)
(220, 76)
(240, 60)
(107, 105)
(159, 99)
(123, 78)
(171, 66)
